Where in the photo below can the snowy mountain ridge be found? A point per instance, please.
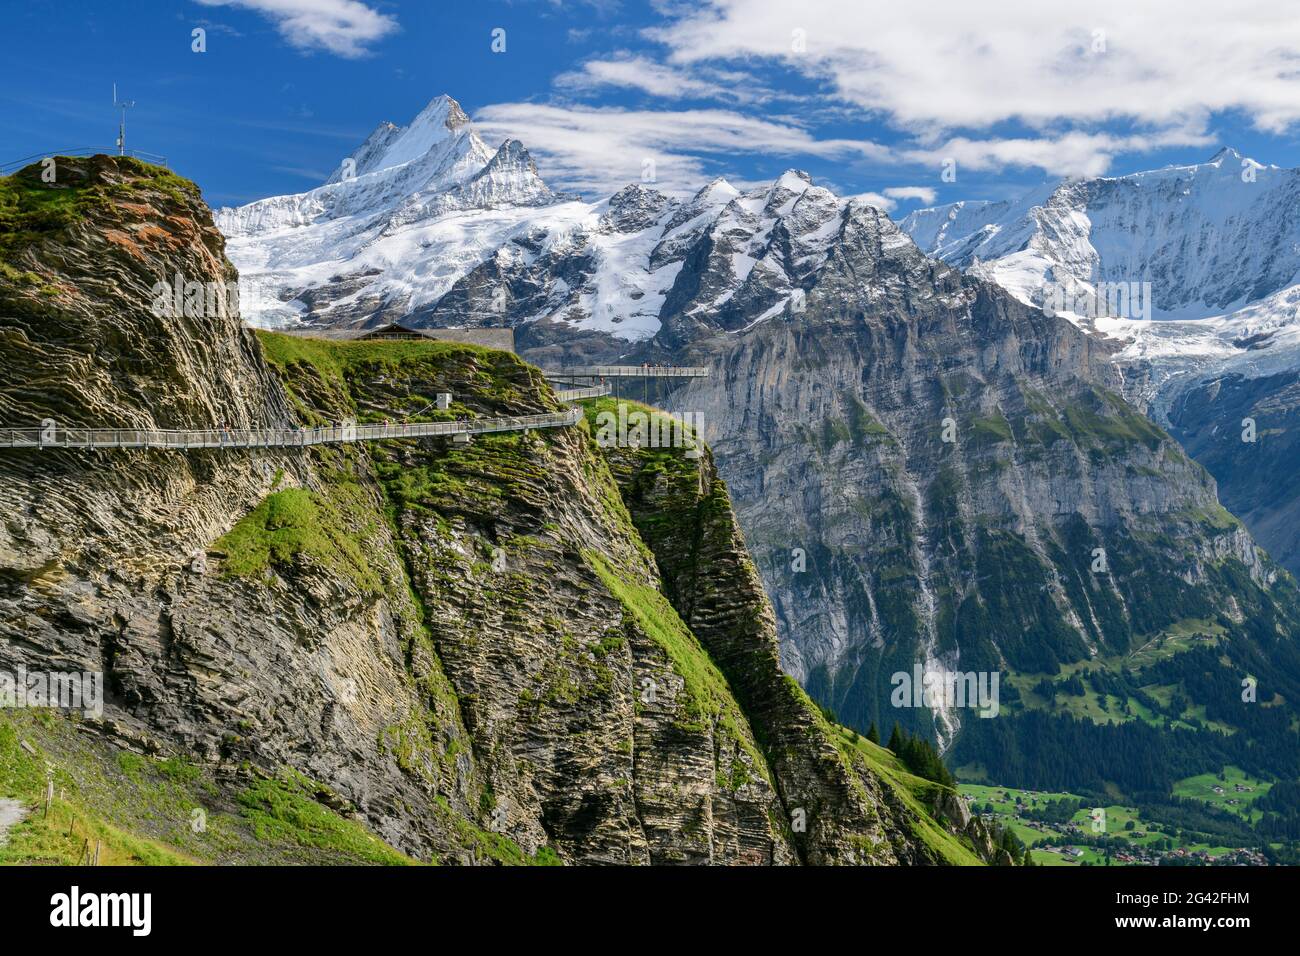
(426, 224)
(1216, 245)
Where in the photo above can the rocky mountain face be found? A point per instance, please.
(527, 649)
(1245, 430)
(1218, 245)
(682, 511)
(645, 275)
(931, 471)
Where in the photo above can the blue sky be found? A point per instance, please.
(865, 96)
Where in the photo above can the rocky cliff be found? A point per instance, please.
(1210, 250)
(858, 802)
(929, 471)
(524, 649)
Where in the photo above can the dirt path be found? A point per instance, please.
(11, 811)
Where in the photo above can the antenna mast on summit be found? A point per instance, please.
(123, 105)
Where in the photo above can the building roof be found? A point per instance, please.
(496, 338)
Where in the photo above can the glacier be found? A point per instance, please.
(1219, 243)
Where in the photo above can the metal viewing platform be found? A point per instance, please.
(629, 371)
(581, 392)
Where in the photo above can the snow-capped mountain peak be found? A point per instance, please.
(369, 155)
(1209, 237)
(439, 150)
(361, 245)
(715, 193)
(786, 191)
(435, 124)
(1187, 266)
(392, 145)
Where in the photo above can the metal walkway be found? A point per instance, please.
(51, 436)
(581, 392)
(272, 437)
(629, 371)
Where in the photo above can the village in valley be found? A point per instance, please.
(1065, 829)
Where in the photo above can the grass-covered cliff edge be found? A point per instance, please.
(523, 650)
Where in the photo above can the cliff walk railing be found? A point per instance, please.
(16, 164)
(630, 371)
(54, 437)
(584, 391)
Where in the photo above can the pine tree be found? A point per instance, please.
(1008, 843)
(920, 757)
(897, 740)
(872, 734)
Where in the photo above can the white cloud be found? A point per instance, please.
(883, 203)
(924, 193)
(947, 69)
(599, 150)
(1069, 154)
(343, 27)
(625, 70)
(637, 72)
